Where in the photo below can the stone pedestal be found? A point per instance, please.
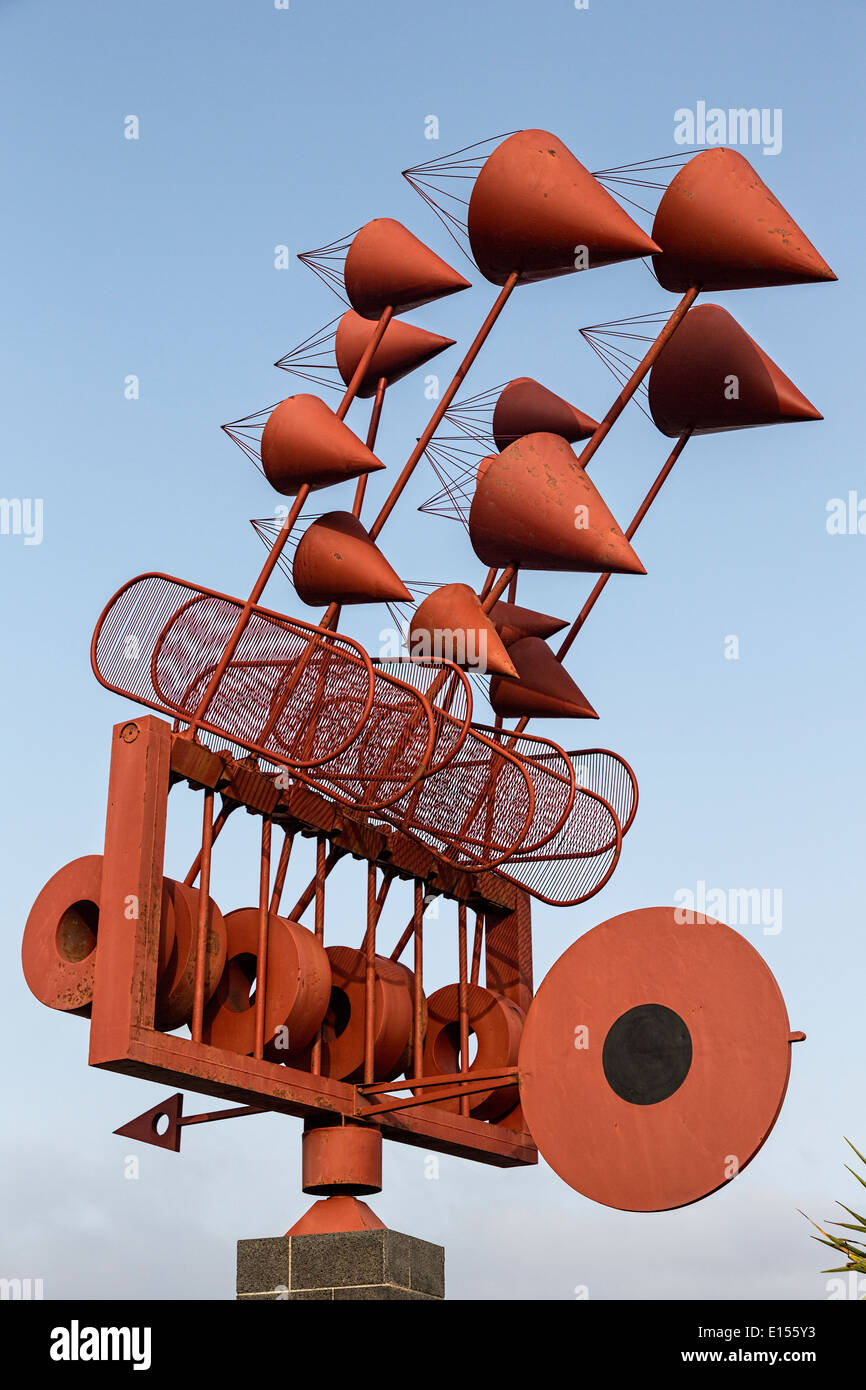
(340, 1265)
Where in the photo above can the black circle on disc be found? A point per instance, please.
(647, 1054)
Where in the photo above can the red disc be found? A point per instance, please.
(654, 1060)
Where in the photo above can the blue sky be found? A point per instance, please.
(262, 127)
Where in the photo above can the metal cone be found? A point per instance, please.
(543, 687)
(337, 562)
(527, 407)
(712, 376)
(387, 265)
(403, 348)
(304, 442)
(535, 208)
(452, 625)
(721, 228)
(534, 507)
(513, 622)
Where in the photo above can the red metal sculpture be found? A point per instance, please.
(651, 1064)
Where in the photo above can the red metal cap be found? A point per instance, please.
(533, 205)
(387, 264)
(512, 621)
(403, 348)
(543, 688)
(533, 506)
(720, 227)
(333, 1214)
(304, 442)
(527, 407)
(451, 624)
(712, 376)
(654, 1060)
(337, 562)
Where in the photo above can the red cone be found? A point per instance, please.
(452, 625)
(712, 376)
(403, 348)
(513, 622)
(534, 205)
(304, 442)
(720, 227)
(337, 562)
(543, 687)
(534, 507)
(527, 407)
(386, 264)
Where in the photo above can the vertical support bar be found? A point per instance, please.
(463, 1000)
(130, 908)
(262, 951)
(370, 975)
(319, 889)
(203, 916)
(418, 982)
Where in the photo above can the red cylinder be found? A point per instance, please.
(343, 1160)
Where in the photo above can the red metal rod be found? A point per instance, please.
(232, 1114)
(450, 392)
(488, 583)
(417, 982)
(463, 1001)
(372, 431)
(496, 590)
(629, 535)
(601, 431)
(309, 892)
(370, 974)
(319, 889)
(285, 530)
(203, 913)
(604, 427)
(476, 948)
(282, 867)
(463, 1089)
(246, 612)
(598, 587)
(218, 824)
(364, 361)
(404, 939)
(262, 951)
(454, 1078)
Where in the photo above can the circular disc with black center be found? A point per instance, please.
(654, 1060)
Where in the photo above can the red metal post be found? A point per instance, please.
(319, 890)
(370, 975)
(262, 952)
(463, 1001)
(203, 914)
(418, 981)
